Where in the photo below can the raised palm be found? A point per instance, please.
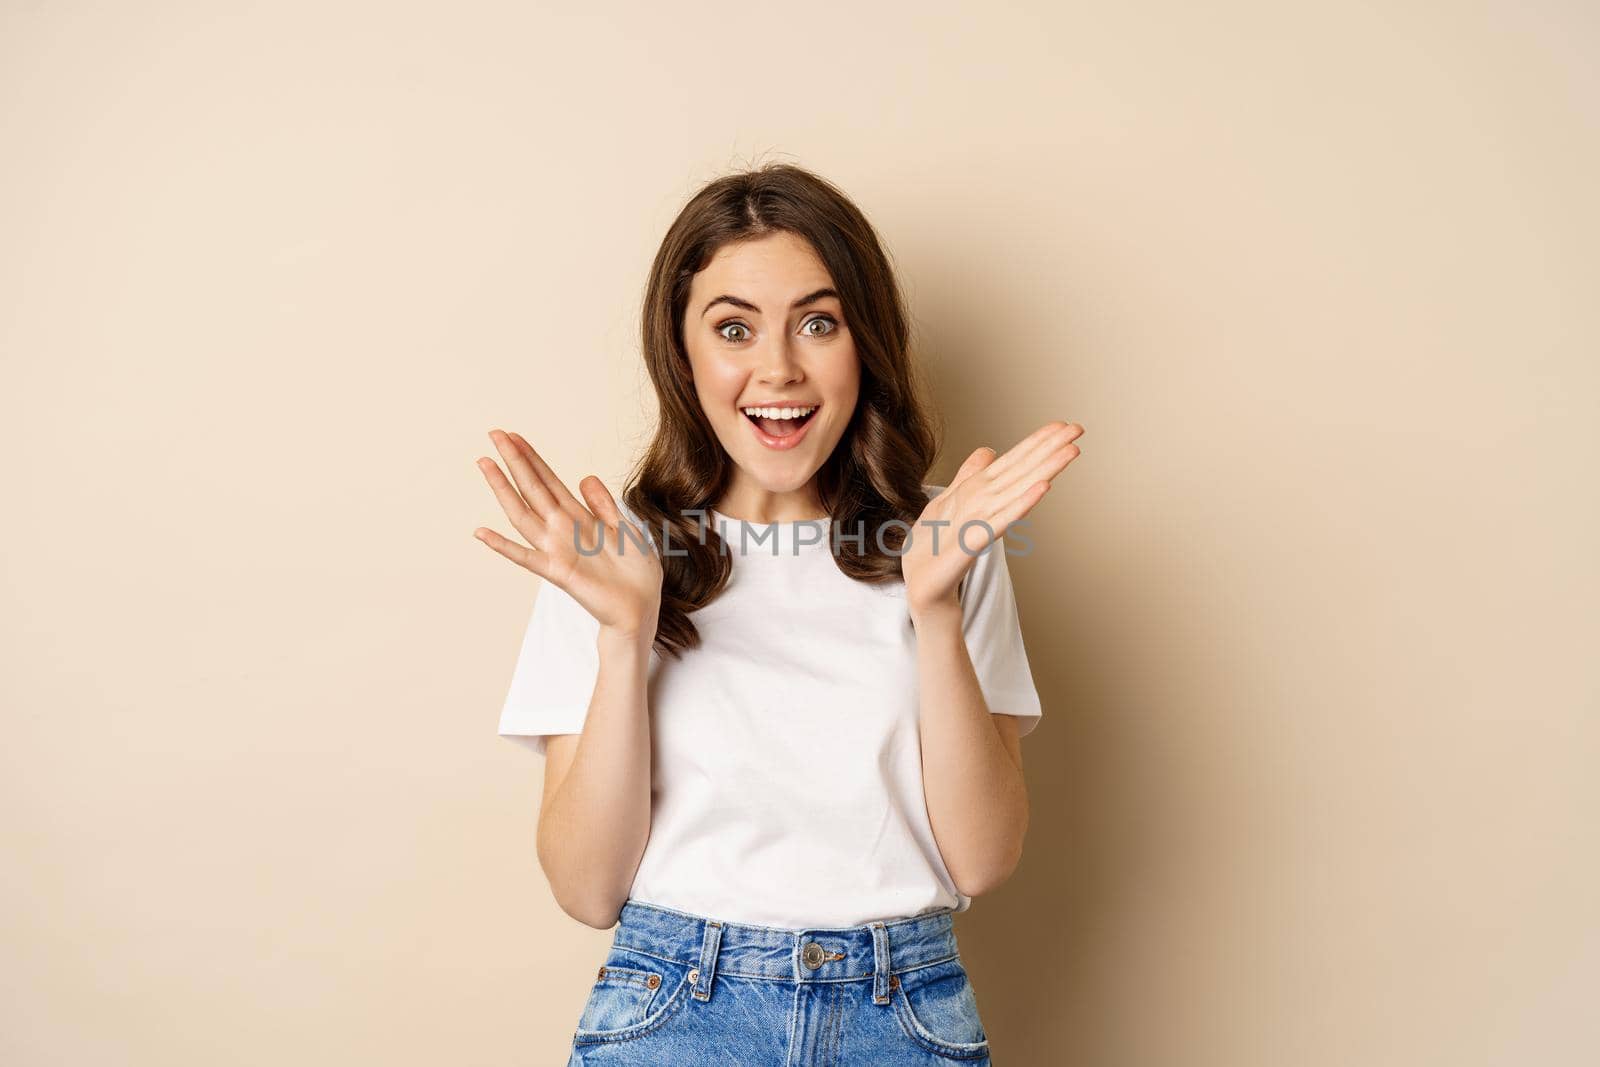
(997, 491)
(612, 576)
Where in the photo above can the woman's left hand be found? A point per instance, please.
(997, 491)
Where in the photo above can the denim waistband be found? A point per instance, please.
(873, 950)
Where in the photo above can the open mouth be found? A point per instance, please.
(779, 433)
(783, 427)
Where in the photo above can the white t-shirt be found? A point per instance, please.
(786, 779)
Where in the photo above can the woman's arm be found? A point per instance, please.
(971, 760)
(594, 818)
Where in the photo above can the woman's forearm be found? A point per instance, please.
(594, 827)
(977, 798)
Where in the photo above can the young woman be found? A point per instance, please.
(780, 705)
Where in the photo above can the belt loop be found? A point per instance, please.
(708, 960)
(880, 963)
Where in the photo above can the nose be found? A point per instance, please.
(778, 365)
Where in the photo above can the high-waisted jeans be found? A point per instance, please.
(692, 991)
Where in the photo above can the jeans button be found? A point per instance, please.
(811, 955)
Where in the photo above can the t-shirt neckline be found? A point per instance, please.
(773, 538)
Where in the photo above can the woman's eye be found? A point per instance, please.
(744, 335)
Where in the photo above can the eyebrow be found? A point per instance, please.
(729, 298)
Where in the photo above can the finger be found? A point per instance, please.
(1051, 433)
(1019, 506)
(557, 487)
(605, 508)
(1035, 485)
(1018, 464)
(1044, 470)
(1048, 465)
(524, 521)
(600, 500)
(980, 458)
(522, 555)
(540, 500)
(1008, 458)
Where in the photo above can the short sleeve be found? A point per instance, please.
(559, 662)
(555, 671)
(993, 632)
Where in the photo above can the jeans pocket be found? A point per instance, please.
(938, 1010)
(633, 995)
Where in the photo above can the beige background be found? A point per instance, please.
(1313, 615)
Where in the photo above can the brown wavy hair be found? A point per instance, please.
(874, 475)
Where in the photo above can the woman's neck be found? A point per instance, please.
(762, 508)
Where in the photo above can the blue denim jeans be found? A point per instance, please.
(692, 991)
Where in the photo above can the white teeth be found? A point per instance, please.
(780, 413)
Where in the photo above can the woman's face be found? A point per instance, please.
(764, 330)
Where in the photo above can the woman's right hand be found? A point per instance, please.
(619, 584)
